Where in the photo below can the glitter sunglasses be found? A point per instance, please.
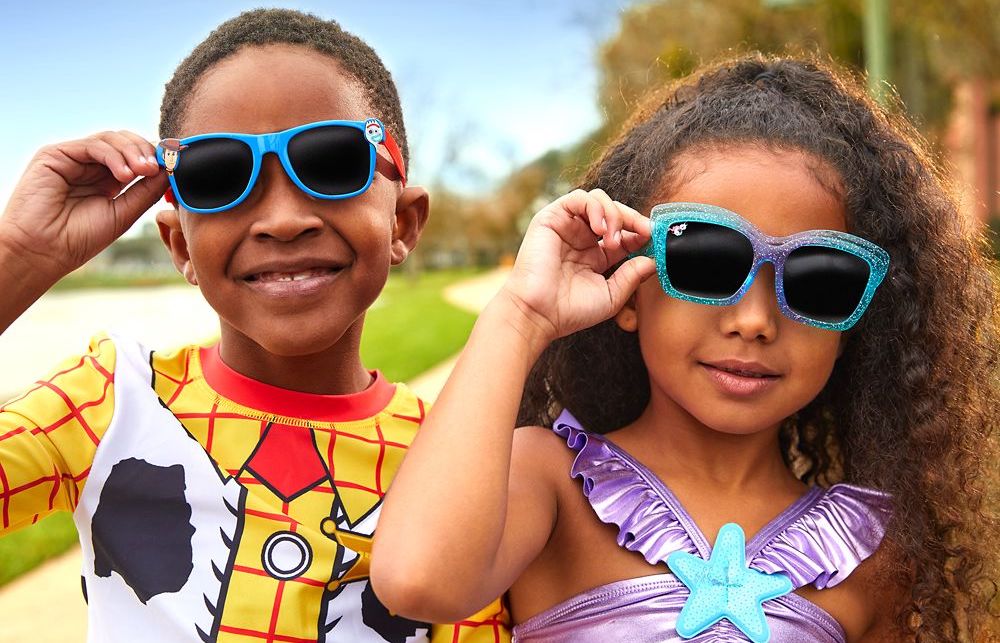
(327, 159)
(708, 255)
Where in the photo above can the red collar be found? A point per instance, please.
(295, 404)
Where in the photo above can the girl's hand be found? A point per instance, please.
(69, 204)
(558, 279)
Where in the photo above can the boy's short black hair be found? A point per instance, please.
(286, 26)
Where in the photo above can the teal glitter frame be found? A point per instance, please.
(766, 249)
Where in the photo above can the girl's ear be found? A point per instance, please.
(172, 235)
(627, 318)
(412, 208)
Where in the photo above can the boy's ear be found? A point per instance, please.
(172, 235)
(412, 208)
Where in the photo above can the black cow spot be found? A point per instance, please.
(394, 629)
(142, 528)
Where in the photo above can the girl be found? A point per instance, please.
(800, 364)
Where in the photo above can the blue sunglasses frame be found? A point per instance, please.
(668, 218)
(277, 143)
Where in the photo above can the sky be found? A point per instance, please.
(500, 82)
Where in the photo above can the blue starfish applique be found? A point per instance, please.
(724, 587)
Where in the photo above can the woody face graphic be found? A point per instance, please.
(170, 160)
(171, 153)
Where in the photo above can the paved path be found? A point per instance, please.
(46, 605)
(60, 324)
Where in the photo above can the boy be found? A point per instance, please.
(230, 492)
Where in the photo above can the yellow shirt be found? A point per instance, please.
(213, 506)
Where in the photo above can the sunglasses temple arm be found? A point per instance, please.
(397, 157)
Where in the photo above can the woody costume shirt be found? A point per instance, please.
(214, 507)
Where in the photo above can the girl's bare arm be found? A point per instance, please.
(457, 527)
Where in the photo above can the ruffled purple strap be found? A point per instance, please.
(819, 540)
(621, 496)
(827, 542)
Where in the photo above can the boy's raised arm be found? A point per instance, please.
(67, 207)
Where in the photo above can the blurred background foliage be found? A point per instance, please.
(940, 57)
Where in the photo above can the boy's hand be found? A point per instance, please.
(558, 280)
(67, 207)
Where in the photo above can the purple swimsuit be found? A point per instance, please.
(820, 539)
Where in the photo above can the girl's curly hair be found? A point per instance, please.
(911, 406)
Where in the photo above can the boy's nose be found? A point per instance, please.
(755, 316)
(281, 210)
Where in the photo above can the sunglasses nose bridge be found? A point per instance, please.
(268, 144)
(274, 143)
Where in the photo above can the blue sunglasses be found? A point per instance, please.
(709, 255)
(328, 160)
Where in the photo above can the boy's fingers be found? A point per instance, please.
(93, 150)
(131, 149)
(138, 198)
(627, 278)
(147, 152)
(107, 186)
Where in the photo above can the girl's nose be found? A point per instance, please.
(755, 316)
(280, 210)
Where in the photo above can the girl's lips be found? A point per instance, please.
(739, 385)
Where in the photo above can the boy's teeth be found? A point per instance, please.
(291, 276)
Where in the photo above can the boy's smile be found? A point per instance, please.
(291, 276)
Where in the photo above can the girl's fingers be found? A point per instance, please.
(633, 241)
(612, 219)
(586, 220)
(583, 204)
(633, 220)
(627, 278)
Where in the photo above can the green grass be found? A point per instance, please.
(410, 329)
(23, 550)
(82, 280)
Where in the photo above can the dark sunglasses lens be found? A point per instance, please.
(707, 260)
(332, 160)
(824, 284)
(213, 172)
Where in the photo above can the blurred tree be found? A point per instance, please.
(934, 44)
